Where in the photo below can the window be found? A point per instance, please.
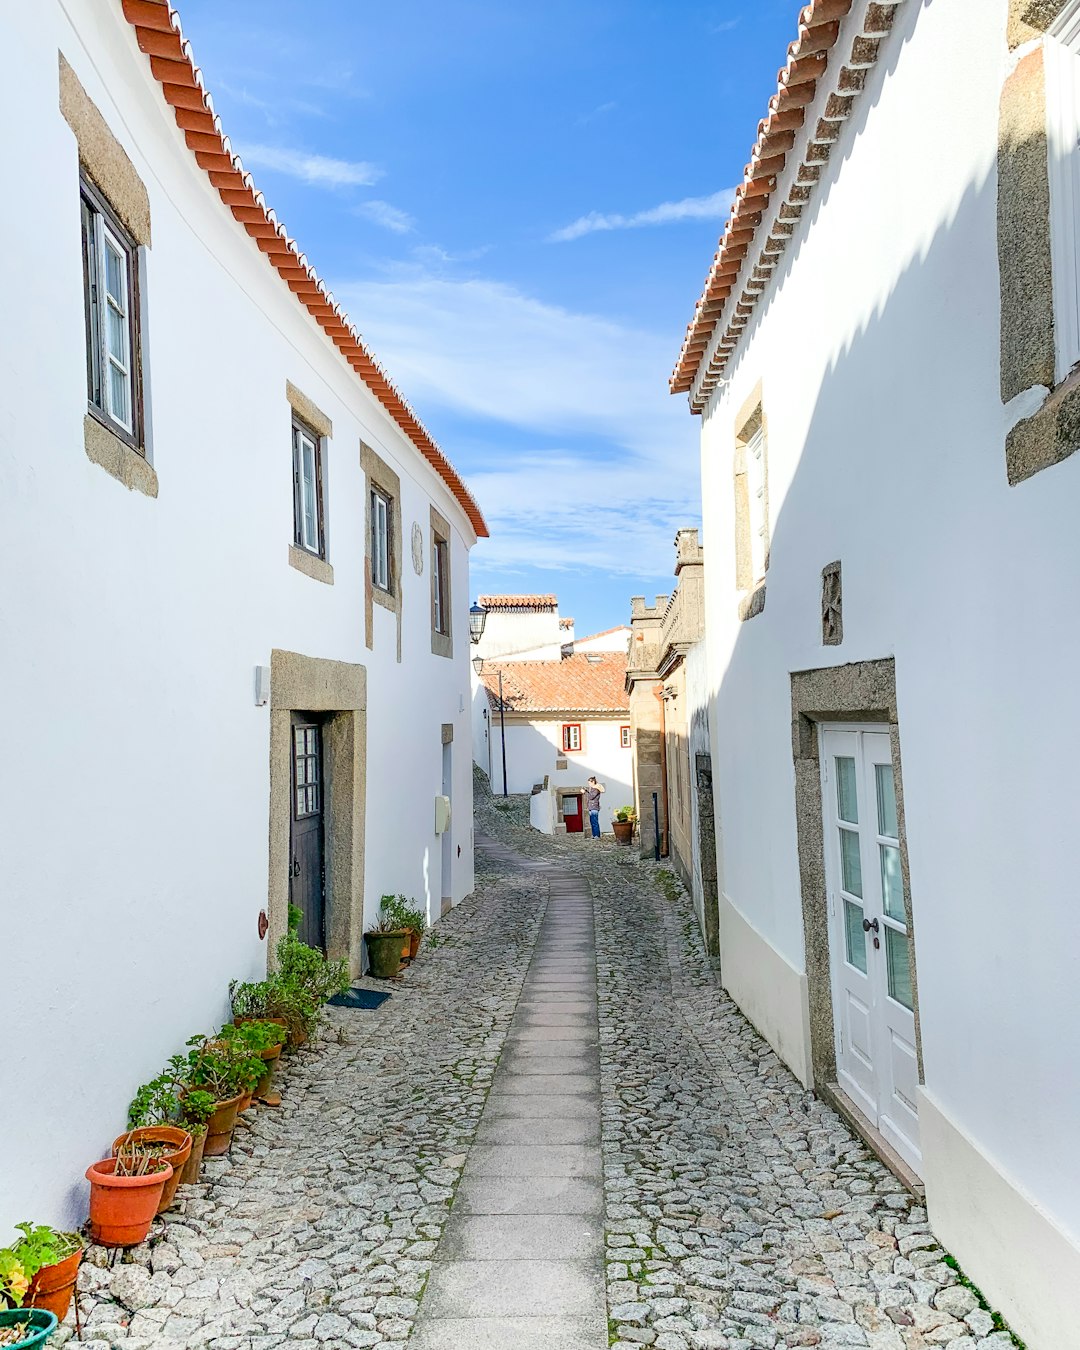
(111, 302)
(439, 596)
(381, 508)
(759, 518)
(307, 778)
(571, 736)
(308, 491)
(624, 737)
(1062, 62)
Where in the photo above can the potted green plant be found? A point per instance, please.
(224, 1068)
(197, 1107)
(623, 823)
(22, 1328)
(308, 978)
(407, 915)
(272, 1000)
(265, 1039)
(387, 941)
(152, 1127)
(40, 1268)
(124, 1194)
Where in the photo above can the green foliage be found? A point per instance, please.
(38, 1247)
(222, 1065)
(307, 971)
(295, 915)
(156, 1102)
(999, 1322)
(260, 1036)
(401, 913)
(669, 884)
(197, 1106)
(626, 813)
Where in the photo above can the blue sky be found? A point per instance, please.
(517, 204)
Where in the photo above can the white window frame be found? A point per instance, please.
(439, 579)
(1062, 64)
(103, 234)
(624, 738)
(381, 506)
(306, 447)
(758, 509)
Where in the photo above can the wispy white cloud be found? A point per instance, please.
(575, 443)
(724, 26)
(316, 170)
(601, 110)
(712, 207)
(389, 217)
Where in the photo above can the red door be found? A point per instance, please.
(572, 817)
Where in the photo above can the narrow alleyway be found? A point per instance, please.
(558, 1132)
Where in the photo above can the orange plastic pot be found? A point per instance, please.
(193, 1167)
(123, 1208)
(179, 1142)
(52, 1287)
(220, 1126)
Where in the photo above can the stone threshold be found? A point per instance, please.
(842, 1104)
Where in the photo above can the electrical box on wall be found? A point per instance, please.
(262, 686)
(442, 814)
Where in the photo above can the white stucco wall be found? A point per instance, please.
(137, 811)
(532, 633)
(532, 749)
(696, 671)
(617, 640)
(877, 346)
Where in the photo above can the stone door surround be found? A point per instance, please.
(864, 691)
(338, 691)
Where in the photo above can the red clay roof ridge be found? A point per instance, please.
(786, 148)
(172, 62)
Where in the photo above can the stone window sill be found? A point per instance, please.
(1049, 435)
(442, 644)
(316, 568)
(116, 457)
(752, 603)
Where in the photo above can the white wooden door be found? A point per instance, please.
(873, 1005)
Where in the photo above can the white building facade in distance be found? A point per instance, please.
(884, 360)
(235, 602)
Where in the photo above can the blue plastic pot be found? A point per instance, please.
(42, 1325)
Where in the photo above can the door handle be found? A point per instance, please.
(869, 924)
(296, 868)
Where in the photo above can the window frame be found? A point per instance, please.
(300, 432)
(624, 738)
(757, 506)
(1061, 55)
(99, 225)
(440, 577)
(378, 494)
(569, 749)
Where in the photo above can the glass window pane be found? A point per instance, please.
(896, 958)
(119, 402)
(298, 736)
(300, 799)
(847, 802)
(313, 798)
(311, 740)
(116, 332)
(854, 936)
(114, 274)
(886, 801)
(850, 862)
(301, 765)
(311, 538)
(892, 883)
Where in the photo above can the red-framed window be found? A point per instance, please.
(624, 737)
(571, 737)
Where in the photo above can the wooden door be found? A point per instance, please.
(572, 814)
(873, 1000)
(307, 879)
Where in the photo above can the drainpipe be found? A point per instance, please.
(658, 691)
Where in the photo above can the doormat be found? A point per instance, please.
(359, 998)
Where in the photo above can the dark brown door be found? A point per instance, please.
(307, 879)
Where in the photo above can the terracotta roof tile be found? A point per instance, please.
(159, 35)
(584, 682)
(759, 227)
(518, 601)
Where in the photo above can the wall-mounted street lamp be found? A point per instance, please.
(477, 622)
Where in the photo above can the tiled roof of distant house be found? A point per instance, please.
(158, 32)
(585, 682)
(538, 602)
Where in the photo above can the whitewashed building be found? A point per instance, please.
(884, 360)
(234, 602)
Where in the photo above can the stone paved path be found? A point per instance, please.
(521, 1260)
(558, 1132)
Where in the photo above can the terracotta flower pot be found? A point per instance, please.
(270, 1058)
(220, 1126)
(123, 1208)
(193, 1167)
(179, 1142)
(385, 952)
(624, 831)
(52, 1287)
(414, 945)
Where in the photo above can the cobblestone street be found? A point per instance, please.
(557, 1088)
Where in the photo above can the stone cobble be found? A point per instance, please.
(742, 1213)
(319, 1227)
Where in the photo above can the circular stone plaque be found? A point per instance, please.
(417, 549)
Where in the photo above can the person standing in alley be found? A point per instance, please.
(592, 802)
